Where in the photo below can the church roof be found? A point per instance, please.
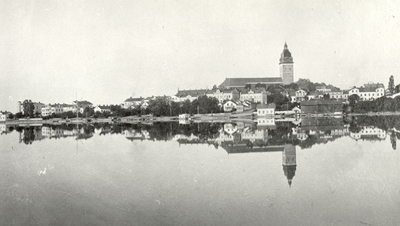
(241, 82)
(286, 56)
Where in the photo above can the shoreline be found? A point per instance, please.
(198, 118)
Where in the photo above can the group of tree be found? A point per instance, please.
(163, 106)
(381, 104)
(307, 85)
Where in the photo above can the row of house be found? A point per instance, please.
(369, 91)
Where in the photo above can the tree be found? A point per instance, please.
(259, 85)
(353, 99)
(88, 111)
(397, 89)
(28, 108)
(391, 84)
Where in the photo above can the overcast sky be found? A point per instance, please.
(107, 51)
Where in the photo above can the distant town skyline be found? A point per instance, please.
(105, 52)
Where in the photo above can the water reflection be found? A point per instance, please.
(221, 167)
(235, 137)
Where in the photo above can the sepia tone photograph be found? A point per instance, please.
(185, 112)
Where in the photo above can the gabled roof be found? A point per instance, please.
(226, 101)
(241, 82)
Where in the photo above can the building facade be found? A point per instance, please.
(256, 96)
(369, 91)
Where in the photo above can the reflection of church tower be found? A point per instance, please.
(286, 66)
(289, 162)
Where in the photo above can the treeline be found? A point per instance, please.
(382, 104)
(163, 106)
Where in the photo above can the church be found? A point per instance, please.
(285, 69)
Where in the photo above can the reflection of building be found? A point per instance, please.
(265, 110)
(369, 133)
(3, 128)
(266, 123)
(252, 136)
(230, 128)
(321, 106)
(289, 162)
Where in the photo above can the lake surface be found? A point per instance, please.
(313, 171)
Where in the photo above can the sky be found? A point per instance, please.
(108, 51)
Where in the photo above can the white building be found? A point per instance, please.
(258, 134)
(48, 110)
(265, 110)
(190, 95)
(298, 96)
(223, 94)
(102, 109)
(131, 102)
(369, 133)
(3, 116)
(256, 95)
(370, 91)
(229, 105)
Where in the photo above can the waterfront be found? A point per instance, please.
(323, 171)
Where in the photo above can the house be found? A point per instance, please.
(322, 89)
(369, 133)
(38, 107)
(229, 105)
(370, 91)
(239, 107)
(48, 110)
(4, 116)
(338, 95)
(313, 95)
(297, 96)
(190, 95)
(257, 95)
(265, 110)
(69, 107)
(132, 102)
(223, 94)
(102, 109)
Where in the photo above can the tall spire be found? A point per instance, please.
(285, 46)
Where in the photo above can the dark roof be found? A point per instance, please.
(83, 102)
(130, 99)
(241, 82)
(316, 102)
(370, 87)
(191, 92)
(286, 56)
(260, 106)
(260, 90)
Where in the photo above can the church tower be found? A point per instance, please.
(286, 66)
(289, 162)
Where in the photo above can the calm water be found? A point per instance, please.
(313, 172)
